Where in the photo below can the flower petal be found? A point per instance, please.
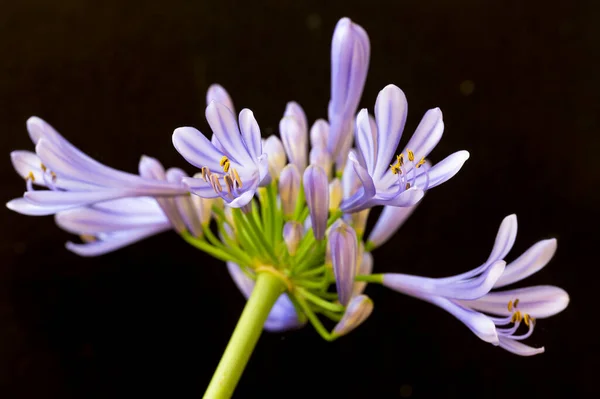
(463, 289)
(24, 207)
(443, 170)
(539, 301)
(90, 221)
(390, 113)
(389, 222)
(519, 348)
(116, 241)
(224, 126)
(196, 148)
(218, 94)
(530, 262)
(477, 322)
(427, 135)
(366, 141)
(250, 133)
(276, 155)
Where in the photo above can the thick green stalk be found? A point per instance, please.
(245, 336)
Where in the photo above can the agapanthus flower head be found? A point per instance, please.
(399, 180)
(289, 219)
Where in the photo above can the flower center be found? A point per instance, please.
(403, 169)
(231, 178)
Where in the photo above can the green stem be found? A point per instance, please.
(370, 278)
(245, 336)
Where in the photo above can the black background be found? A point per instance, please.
(117, 77)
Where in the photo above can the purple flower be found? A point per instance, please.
(316, 190)
(74, 179)
(350, 50)
(404, 182)
(283, 315)
(494, 317)
(233, 164)
(343, 247)
(218, 94)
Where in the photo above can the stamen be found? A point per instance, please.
(516, 317)
(225, 164)
(43, 167)
(205, 173)
(30, 176)
(216, 185)
(421, 162)
(510, 305)
(88, 238)
(236, 177)
(396, 169)
(411, 155)
(526, 319)
(516, 302)
(229, 183)
(400, 159)
(407, 186)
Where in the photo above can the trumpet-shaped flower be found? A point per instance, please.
(404, 182)
(234, 167)
(74, 179)
(494, 317)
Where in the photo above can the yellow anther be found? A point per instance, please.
(407, 186)
(411, 155)
(43, 167)
(88, 238)
(53, 176)
(30, 176)
(526, 319)
(236, 177)
(216, 185)
(510, 306)
(421, 162)
(396, 169)
(225, 164)
(400, 159)
(516, 317)
(516, 302)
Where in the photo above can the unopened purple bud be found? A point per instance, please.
(357, 311)
(275, 155)
(292, 234)
(295, 110)
(343, 244)
(319, 133)
(350, 51)
(320, 156)
(289, 187)
(295, 140)
(316, 190)
(365, 267)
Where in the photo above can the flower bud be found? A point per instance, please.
(316, 190)
(357, 311)
(292, 234)
(289, 186)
